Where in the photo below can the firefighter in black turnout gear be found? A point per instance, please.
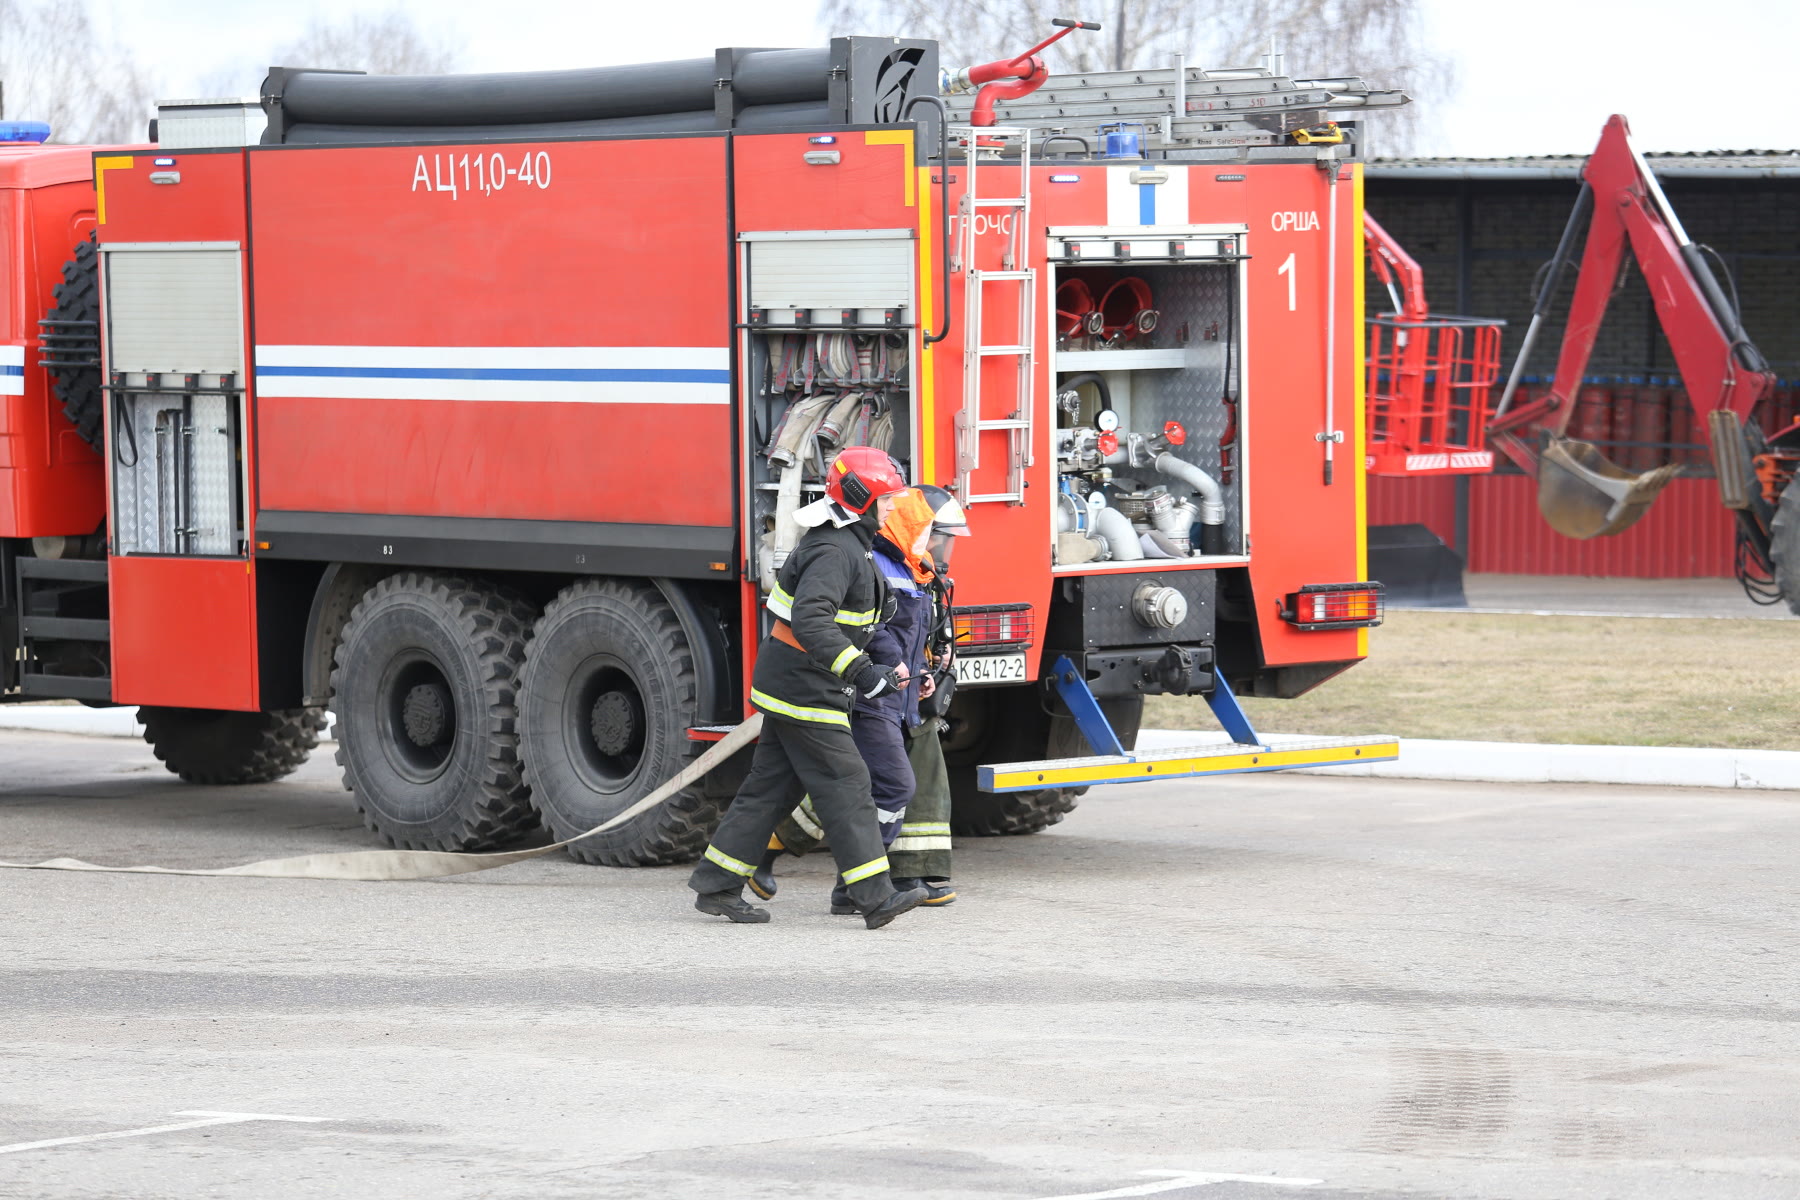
(828, 597)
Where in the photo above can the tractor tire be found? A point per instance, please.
(1784, 545)
(78, 299)
(425, 690)
(609, 693)
(218, 748)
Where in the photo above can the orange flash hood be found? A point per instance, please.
(909, 521)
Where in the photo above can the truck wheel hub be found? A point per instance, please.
(613, 722)
(425, 713)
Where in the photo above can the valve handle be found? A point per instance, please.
(1066, 26)
(1173, 431)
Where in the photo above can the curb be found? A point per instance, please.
(1420, 758)
(1524, 762)
(87, 722)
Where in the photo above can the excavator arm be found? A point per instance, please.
(1581, 493)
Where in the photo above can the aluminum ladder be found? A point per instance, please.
(977, 214)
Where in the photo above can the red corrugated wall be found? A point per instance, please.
(1429, 501)
(1686, 534)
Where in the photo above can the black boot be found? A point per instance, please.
(893, 906)
(841, 903)
(731, 905)
(936, 894)
(762, 881)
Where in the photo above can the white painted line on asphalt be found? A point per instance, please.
(210, 1118)
(1176, 1180)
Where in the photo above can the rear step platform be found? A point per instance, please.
(1178, 762)
(1240, 749)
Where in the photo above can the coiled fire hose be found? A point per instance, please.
(428, 864)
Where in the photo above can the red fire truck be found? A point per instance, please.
(475, 408)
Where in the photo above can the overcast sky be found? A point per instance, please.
(1533, 76)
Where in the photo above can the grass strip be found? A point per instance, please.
(1622, 681)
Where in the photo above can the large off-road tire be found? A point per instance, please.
(996, 725)
(210, 746)
(1784, 545)
(992, 814)
(610, 692)
(78, 299)
(1000, 725)
(425, 689)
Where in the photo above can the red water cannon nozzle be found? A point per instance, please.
(1011, 78)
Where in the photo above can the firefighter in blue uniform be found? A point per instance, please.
(827, 599)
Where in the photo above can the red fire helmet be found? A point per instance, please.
(858, 475)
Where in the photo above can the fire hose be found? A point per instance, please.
(378, 865)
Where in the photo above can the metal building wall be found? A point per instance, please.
(1685, 535)
(1430, 501)
(1480, 243)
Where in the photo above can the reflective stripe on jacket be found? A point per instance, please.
(829, 593)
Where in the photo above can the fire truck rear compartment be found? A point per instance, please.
(1147, 435)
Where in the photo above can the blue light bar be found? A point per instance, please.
(1065, 179)
(827, 140)
(28, 132)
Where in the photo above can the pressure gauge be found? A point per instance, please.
(1106, 420)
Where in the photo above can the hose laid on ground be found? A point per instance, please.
(428, 864)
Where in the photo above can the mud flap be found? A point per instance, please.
(1583, 494)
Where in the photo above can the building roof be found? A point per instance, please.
(1694, 164)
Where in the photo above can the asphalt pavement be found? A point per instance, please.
(1244, 988)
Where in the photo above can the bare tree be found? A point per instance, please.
(381, 43)
(1381, 40)
(58, 67)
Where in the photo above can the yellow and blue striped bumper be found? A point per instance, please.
(1181, 762)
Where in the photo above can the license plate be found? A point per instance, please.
(990, 668)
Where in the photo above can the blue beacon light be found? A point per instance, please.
(24, 132)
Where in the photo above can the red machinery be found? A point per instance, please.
(1430, 375)
(479, 413)
(1582, 493)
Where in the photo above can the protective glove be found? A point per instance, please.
(879, 681)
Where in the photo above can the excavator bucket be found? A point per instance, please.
(1584, 494)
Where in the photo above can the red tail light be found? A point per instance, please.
(991, 626)
(1334, 606)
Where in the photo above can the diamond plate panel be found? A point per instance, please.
(143, 484)
(161, 486)
(1198, 298)
(212, 478)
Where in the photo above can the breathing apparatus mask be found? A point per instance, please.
(947, 524)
